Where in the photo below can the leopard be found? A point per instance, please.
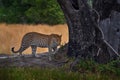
(35, 39)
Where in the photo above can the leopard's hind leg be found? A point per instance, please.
(22, 49)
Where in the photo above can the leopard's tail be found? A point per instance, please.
(12, 49)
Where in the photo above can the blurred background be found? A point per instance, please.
(17, 17)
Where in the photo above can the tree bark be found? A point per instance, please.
(81, 32)
(109, 11)
(86, 39)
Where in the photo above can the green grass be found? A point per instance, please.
(86, 71)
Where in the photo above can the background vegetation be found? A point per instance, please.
(31, 11)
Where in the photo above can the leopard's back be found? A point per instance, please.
(42, 40)
(37, 39)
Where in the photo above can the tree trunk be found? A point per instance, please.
(81, 32)
(86, 39)
(109, 11)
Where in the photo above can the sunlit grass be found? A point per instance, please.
(11, 35)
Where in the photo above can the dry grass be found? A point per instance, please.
(11, 35)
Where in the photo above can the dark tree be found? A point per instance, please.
(86, 39)
(109, 11)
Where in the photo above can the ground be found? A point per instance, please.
(29, 61)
